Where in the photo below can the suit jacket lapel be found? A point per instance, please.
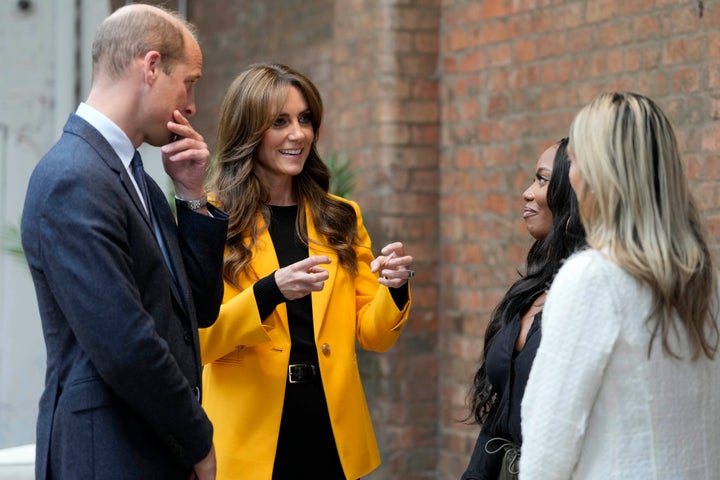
(78, 126)
(168, 229)
(132, 191)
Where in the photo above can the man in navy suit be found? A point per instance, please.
(123, 285)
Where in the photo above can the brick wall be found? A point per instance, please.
(374, 63)
(443, 106)
(234, 34)
(513, 73)
(385, 95)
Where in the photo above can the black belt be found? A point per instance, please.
(303, 372)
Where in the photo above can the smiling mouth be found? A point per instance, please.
(297, 151)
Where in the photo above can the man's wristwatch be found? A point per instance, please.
(192, 204)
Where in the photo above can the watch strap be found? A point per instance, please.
(196, 204)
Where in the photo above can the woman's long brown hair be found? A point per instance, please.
(251, 105)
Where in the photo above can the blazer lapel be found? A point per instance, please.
(266, 263)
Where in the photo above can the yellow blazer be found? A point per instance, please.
(246, 362)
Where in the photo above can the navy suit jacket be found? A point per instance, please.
(123, 361)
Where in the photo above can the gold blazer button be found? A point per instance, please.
(326, 349)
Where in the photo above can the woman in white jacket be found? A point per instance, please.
(626, 382)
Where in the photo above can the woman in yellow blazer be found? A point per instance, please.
(281, 381)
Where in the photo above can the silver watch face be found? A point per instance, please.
(193, 204)
(196, 204)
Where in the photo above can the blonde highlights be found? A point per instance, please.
(636, 203)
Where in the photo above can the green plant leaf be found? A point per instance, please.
(11, 242)
(342, 177)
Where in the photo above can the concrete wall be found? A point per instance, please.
(45, 52)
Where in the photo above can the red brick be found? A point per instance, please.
(711, 139)
(425, 42)
(646, 27)
(683, 20)
(637, 6)
(683, 50)
(616, 33)
(495, 9)
(525, 50)
(562, 17)
(686, 80)
(598, 10)
(713, 76)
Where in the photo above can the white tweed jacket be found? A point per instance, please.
(596, 407)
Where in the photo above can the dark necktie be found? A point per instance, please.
(139, 173)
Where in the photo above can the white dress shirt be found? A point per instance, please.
(118, 140)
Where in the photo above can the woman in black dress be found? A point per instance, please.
(513, 334)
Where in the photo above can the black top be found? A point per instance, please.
(508, 371)
(304, 408)
(306, 445)
(290, 249)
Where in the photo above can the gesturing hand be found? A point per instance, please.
(393, 265)
(297, 280)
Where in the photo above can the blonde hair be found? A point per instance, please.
(134, 30)
(251, 105)
(636, 203)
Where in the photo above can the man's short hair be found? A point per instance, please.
(134, 30)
